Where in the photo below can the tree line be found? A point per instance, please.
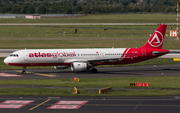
(85, 6)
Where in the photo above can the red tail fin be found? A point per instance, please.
(157, 39)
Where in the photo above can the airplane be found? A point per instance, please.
(83, 59)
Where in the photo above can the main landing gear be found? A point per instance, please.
(93, 70)
(24, 69)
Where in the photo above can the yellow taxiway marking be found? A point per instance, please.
(40, 104)
(40, 74)
(44, 74)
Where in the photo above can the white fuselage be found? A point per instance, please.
(55, 56)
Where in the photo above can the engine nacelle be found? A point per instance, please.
(78, 66)
(61, 67)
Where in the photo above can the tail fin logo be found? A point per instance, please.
(156, 40)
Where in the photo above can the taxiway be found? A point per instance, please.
(166, 104)
(103, 72)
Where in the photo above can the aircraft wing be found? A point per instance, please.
(92, 60)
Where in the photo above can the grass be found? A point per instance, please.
(118, 82)
(68, 92)
(57, 31)
(86, 31)
(109, 18)
(34, 37)
(35, 92)
(169, 43)
(121, 82)
(45, 44)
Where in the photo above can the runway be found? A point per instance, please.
(18, 104)
(103, 72)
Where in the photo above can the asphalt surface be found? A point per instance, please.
(160, 104)
(91, 104)
(126, 71)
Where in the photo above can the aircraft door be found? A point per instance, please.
(101, 54)
(26, 56)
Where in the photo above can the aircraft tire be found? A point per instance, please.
(23, 71)
(93, 70)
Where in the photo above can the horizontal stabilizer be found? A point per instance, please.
(159, 53)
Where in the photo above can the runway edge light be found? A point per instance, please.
(104, 90)
(76, 79)
(76, 91)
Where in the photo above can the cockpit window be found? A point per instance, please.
(14, 55)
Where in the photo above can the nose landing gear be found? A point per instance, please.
(24, 69)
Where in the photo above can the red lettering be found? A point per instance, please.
(39, 54)
(60, 54)
(48, 54)
(36, 54)
(53, 55)
(43, 54)
(31, 55)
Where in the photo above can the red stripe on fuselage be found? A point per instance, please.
(124, 54)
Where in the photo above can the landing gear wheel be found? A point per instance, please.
(93, 70)
(24, 69)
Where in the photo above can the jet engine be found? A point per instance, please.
(78, 66)
(61, 67)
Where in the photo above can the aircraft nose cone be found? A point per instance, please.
(6, 61)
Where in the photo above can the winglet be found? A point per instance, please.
(157, 39)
